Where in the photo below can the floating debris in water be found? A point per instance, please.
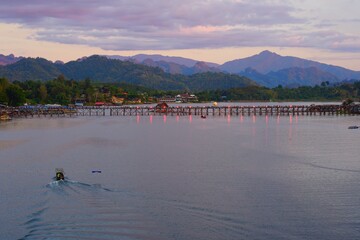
(96, 171)
(353, 127)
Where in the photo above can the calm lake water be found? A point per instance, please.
(291, 177)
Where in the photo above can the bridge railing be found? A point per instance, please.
(184, 110)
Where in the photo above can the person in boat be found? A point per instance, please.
(59, 175)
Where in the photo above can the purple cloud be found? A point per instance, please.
(160, 24)
(164, 14)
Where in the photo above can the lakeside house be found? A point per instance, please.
(98, 104)
(166, 99)
(134, 101)
(180, 98)
(186, 97)
(161, 107)
(79, 102)
(4, 115)
(117, 100)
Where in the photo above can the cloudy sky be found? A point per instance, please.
(209, 30)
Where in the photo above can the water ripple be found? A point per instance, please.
(76, 210)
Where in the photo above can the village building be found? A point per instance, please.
(99, 104)
(167, 99)
(161, 107)
(134, 101)
(79, 102)
(186, 97)
(117, 100)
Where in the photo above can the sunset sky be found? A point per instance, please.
(209, 30)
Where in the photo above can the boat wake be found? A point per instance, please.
(76, 210)
(328, 168)
(70, 184)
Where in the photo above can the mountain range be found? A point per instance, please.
(276, 69)
(266, 68)
(103, 69)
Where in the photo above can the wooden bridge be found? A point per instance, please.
(19, 112)
(278, 110)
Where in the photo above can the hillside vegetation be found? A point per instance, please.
(63, 91)
(103, 70)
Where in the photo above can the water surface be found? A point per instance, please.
(289, 177)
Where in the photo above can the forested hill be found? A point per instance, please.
(102, 69)
(216, 81)
(30, 69)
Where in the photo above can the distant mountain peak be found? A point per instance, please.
(267, 56)
(268, 53)
(266, 62)
(9, 59)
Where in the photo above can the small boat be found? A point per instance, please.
(353, 127)
(203, 116)
(59, 174)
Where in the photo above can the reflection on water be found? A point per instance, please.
(180, 177)
(5, 144)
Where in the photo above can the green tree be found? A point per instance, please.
(15, 95)
(42, 93)
(3, 85)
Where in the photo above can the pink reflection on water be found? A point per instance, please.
(290, 127)
(228, 119)
(278, 119)
(151, 119)
(190, 118)
(241, 118)
(164, 118)
(267, 120)
(177, 118)
(253, 131)
(138, 119)
(266, 130)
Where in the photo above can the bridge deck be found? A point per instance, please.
(186, 110)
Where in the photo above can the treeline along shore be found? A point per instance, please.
(66, 92)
